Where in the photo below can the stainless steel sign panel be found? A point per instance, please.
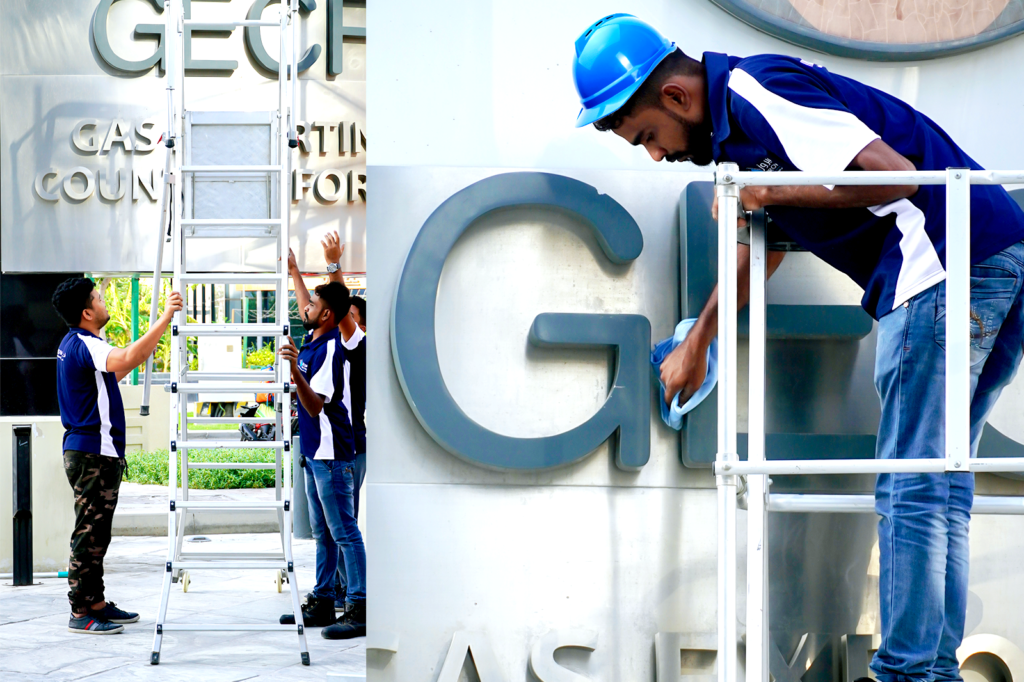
(506, 558)
(68, 209)
(80, 171)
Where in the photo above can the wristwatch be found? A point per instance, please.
(333, 267)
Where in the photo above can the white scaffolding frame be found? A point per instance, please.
(727, 467)
(177, 212)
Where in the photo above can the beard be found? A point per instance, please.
(307, 325)
(102, 321)
(698, 141)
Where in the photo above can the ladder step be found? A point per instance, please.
(230, 278)
(232, 169)
(221, 505)
(225, 627)
(215, 556)
(229, 222)
(229, 420)
(238, 23)
(220, 444)
(222, 564)
(240, 375)
(231, 465)
(225, 387)
(229, 232)
(250, 329)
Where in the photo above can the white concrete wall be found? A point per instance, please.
(489, 82)
(53, 501)
(146, 433)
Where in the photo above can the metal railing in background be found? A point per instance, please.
(728, 181)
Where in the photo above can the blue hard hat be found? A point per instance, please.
(613, 57)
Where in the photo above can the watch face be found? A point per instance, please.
(883, 30)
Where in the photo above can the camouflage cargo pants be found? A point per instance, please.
(96, 480)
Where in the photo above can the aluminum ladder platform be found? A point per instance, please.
(758, 500)
(193, 192)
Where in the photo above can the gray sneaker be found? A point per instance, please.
(89, 625)
(112, 614)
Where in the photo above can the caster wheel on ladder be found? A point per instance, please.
(185, 580)
(279, 578)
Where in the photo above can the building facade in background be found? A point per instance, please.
(82, 111)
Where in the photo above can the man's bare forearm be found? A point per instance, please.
(842, 196)
(301, 292)
(876, 156)
(706, 327)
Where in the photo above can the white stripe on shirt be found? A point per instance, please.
(98, 350)
(815, 140)
(103, 406)
(326, 448)
(921, 267)
(350, 344)
(323, 381)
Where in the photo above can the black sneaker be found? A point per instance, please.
(88, 625)
(352, 624)
(112, 614)
(316, 613)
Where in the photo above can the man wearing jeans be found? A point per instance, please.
(88, 369)
(353, 336)
(326, 442)
(770, 113)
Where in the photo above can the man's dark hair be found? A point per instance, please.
(360, 303)
(335, 296)
(649, 92)
(71, 298)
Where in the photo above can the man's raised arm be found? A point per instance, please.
(301, 292)
(123, 360)
(685, 368)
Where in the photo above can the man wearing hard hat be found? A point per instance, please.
(770, 112)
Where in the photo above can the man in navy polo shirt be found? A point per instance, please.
(88, 369)
(326, 442)
(771, 113)
(353, 339)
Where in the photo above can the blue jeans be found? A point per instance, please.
(359, 473)
(329, 485)
(922, 534)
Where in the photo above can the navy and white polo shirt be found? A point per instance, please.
(328, 435)
(355, 385)
(89, 399)
(771, 112)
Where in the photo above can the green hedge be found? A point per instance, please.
(151, 468)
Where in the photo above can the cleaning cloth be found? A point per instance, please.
(673, 414)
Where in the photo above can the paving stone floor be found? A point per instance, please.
(36, 645)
